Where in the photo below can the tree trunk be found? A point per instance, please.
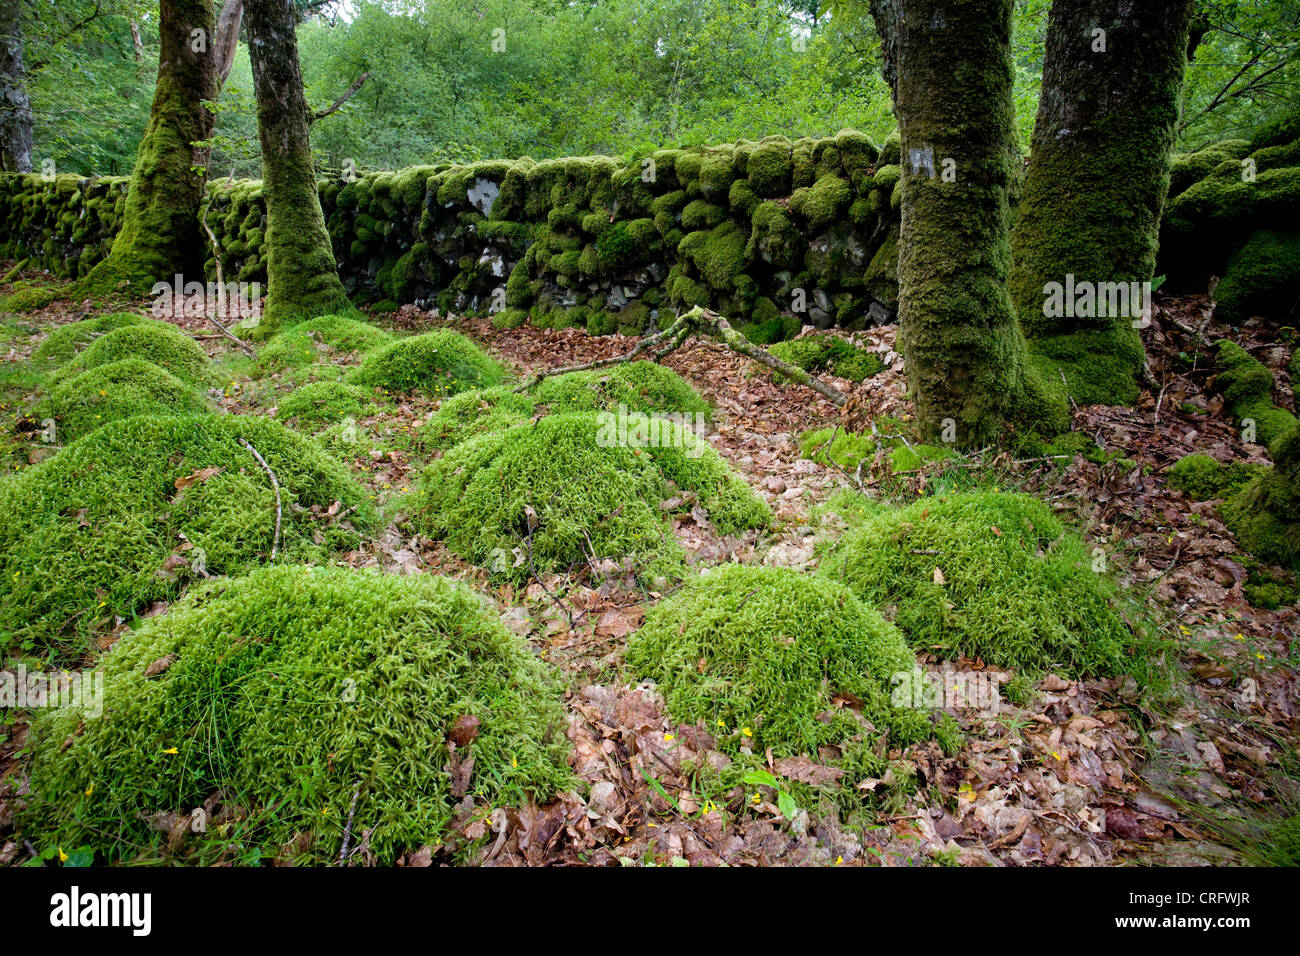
(160, 234)
(949, 65)
(15, 111)
(1097, 178)
(302, 276)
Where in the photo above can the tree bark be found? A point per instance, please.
(15, 111)
(302, 275)
(160, 235)
(1097, 178)
(949, 65)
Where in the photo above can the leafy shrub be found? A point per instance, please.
(290, 690)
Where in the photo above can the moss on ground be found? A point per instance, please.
(1202, 478)
(301, 344)
(298, 694)
(156, 342)
(1247, 387)
(639, 386)
(324, 403)
(1265, 514)
(818, 353)
(65, 341)
(121, 389)
(127, 515)
(566, 491)
(989, 576)
(440, 363)
(846, 449)
(760, 655)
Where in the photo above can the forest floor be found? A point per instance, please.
(1084, 773)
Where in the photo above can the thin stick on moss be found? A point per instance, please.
(275, 484)
(347, 830)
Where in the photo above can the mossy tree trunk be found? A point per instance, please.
(160, 234)
(1098, 173)
(15, 111)
(302, 275)
(950, 69)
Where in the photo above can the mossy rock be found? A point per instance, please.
(158, 343)
(1247, 388)
(1262, 278)
(769, 167)
(823, 202)
(121, 389)
(988, 576)
(65, 341)
(440, 363)
(315, 699)
(86, 535)
(760, 655)
(718, 255)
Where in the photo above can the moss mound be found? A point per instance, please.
(638, 386)
(156, 342)
(1265, 514)
(564, 487)
(768, 650)
(121, 389)
(121, 517)
(290, 690)
(836, 446)
(441, 363)
(1012, 588)
(65, 341)
(641, 386)
(475, 412)
(829, 353)
(302, 343)
(324, 402)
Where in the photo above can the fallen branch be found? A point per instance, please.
(347, 830)
(221, 281)
(275, 484)
(701, 321)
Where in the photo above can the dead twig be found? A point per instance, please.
(347, 830)
(275, 484)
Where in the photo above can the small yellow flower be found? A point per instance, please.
(839, 860)
(63, 857)
(172, 750)
(1238, 638)
(757, 798)
(90, 789)
(746, 731)
(669, 737)
(514, 762)
(1260, 656)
